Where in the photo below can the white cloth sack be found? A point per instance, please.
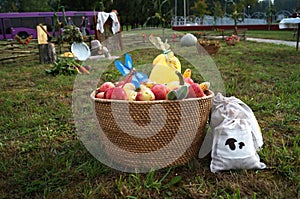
(233, 147)
(232, 118)
(228, 108)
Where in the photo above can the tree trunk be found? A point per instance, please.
(47, 53)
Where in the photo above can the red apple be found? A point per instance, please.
(108, 93)
(100, 95)
(145, 95)
(116, 93)
(119, 94)
(105, 86)
(195, 91)
(160, 91)
(189, 80)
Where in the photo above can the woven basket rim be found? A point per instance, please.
(150, 102)
(209, 46)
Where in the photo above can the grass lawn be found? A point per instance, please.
(42, 157)
(288, 35)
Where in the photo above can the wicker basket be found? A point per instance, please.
(212, 49)
(139, 111)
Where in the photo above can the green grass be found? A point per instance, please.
(289, 35)
(42, 157)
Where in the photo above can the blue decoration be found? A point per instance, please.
(127, 68)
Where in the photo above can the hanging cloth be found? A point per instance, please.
(115, 25)
(102, 18)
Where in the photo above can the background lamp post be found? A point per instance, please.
(249, 10)
(175, 12)
(184, 11)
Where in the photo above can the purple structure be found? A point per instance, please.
(24, 24)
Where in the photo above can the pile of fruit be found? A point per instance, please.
(67, 54)
(204, 42)
(232, 40)
(136, 86)
(150, 91)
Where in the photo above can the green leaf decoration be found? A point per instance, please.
(182, 92)
(172, 95)
(178, 94)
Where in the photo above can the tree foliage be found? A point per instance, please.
(218, 11)
(200, 8)
(33, 5)
(136, 12)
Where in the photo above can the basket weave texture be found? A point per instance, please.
(140, 113)
(209, 49)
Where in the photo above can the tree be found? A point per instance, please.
(200, 9)
(8, 6)
(136, 12)
(33, 5)
(270, 11)
(289, 5)
(162, 12)
(218, 11)
(24, 6)
(103, 4)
